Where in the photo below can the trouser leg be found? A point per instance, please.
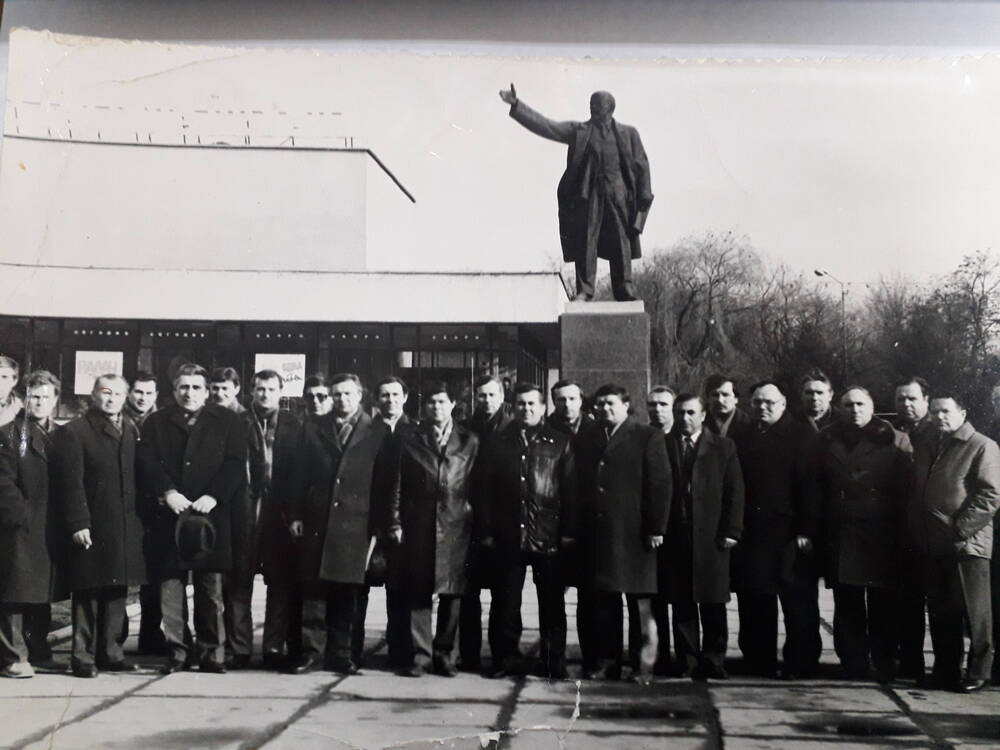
(314, 606)
(397, 629)
(608, 629)
(551, 595)
(278, 605)
(974, 575)
(686, 639)
(110, 613)
(850, 629)
(209, 619)
(470, 630)
(946, 613)
(634, 639)
(341, 616)
(647, 633)
(420, 630)
(150, 635)
(803, 644)
(358, 625)
(758, 636)
(661, 616)
(237, 595)
(714, 633)
(84, 615)
(37, 624)
(449, 608)
(174, 617)
(586, 624)
(911, 620)
(504, 633)
(13, 647)
(621, 273)
(883, 628)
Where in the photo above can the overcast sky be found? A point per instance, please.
(862, 166)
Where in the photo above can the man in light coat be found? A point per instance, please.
(950, 520)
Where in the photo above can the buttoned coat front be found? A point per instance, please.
(96, 489)
(625, 494)
(209, 458)
(864, 491)
(693, 565)
(434, 505)
(26, 543)
(956, 495)
(341, 498)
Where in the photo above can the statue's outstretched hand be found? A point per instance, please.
(509, 95)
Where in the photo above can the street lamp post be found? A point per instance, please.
(843, 322)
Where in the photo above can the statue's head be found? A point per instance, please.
(602, 106)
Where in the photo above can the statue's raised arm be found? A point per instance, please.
(604, 194)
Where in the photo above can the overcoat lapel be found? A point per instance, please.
(619, 436)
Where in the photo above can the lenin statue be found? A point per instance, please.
(604, 194)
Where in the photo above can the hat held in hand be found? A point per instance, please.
(194, 536)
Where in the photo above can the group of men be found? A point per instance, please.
(674, 515)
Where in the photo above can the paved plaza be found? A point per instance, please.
(377, 709)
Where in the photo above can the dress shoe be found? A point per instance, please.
(305, 664)
(344, 666)
(238, 662)
(118, 666)
(469, 665)
(19, 670)
(152, 646)
(445, 667)
(713, 672)
(87, 671)
(609, 674)
(970, 686)
(212, 667)
(173, 665)
(417, 670)
(937, 682)
(554, 671)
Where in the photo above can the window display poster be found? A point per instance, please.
(91, 364)
(291, 367)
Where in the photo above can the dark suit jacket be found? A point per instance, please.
(693, 565)
(341, 498)
(625, 493)
(26, 570)
(96, 490)
(211, 459)
(574, 186)
(740, 423)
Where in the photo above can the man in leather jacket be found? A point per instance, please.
(529, 486)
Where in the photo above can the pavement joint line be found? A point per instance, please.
(825, 740)
(506, 713)
(322, 696)
(713, 719)
(50, 730)
(939, 740)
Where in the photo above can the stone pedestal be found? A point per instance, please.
(606, 342)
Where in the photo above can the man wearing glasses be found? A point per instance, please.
(316, 397)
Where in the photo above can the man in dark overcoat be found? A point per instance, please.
(950, 520)
(775, 558)
(26, 539)
(490, 414)
(865, 473)
(339, 505)
(722, 404)
(431, 518)
(706, 522)
(192, 458)
(262, 541)
(392, 394)
(528, 517)
(99, 525)
(625, 493)
(604, 194)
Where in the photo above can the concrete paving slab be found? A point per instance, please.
(948, 703)
(578, 740)
(175, 724)
(366, 738)
(671, 715)
(757, 743)
(805, 697)
(537, 690)
(59, 685)
(386, 685)
(20, 718)
(383, 723)
(242, 684)
(784, 725)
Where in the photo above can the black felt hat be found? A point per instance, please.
(194, 536)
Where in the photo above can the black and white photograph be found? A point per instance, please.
(499, 375)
